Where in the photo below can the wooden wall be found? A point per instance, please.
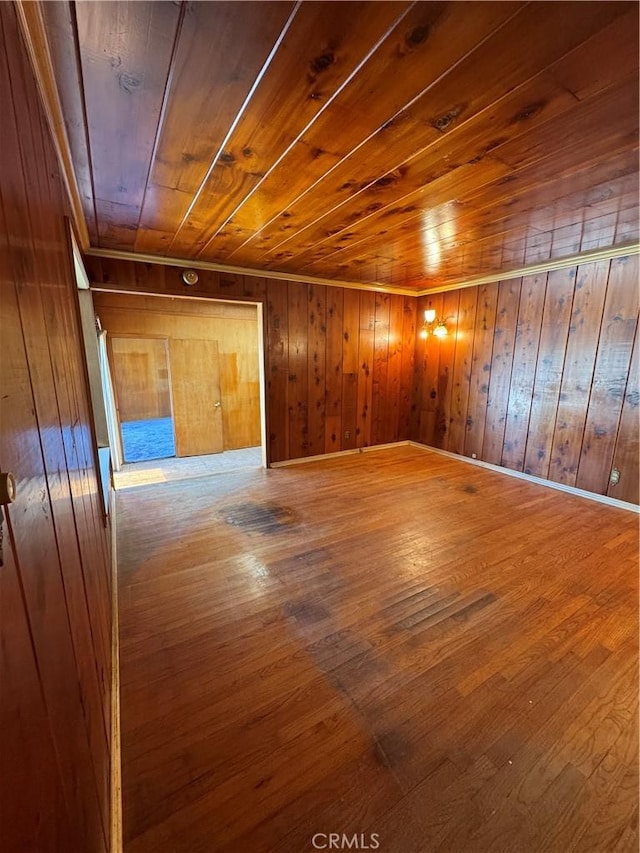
(539, 374)
(338, 363)
(55, 598)
(233, 325)
(141, 377)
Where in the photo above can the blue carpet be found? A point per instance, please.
(151, 439)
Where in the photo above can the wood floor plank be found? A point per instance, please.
(395, 643)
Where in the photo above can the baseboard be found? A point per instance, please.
(116, 767)
(352, 452)
(539, 481)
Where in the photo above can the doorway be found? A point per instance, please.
(143, 397)
(209, 356)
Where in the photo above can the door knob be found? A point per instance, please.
(7, 488)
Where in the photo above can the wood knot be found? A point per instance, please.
(444, 122)
(417, 36)
(128, 82)
(322, 62)
(528, 111)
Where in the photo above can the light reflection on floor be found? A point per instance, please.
(166, 470)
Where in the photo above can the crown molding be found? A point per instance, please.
(208, 265)
(588, 257)
(31, 23)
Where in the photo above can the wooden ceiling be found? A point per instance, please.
(410, 144)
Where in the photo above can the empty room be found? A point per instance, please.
(319, 438)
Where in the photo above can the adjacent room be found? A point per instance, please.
(187, 385)
(319, 437)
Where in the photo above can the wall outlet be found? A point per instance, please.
(347, 434)
(614, 476)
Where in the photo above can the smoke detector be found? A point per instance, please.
(190, 277)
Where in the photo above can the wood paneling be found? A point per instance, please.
(611, 375)
(232, 325)
(393, 642)
(410, 144)
(55, 695)
(501, 367)
(141, 377)
(549, 366)
(542, 378)
(626, 456)
(512, 382)
(338, 361)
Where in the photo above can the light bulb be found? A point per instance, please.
(440, 330)
(430, 315)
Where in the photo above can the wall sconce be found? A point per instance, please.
(433, 325)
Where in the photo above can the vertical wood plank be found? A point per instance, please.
(255, 287)
(480, 369)
(35, 816)
(277, 377)
(380, 367)
(394, 368)
(365, 366)
(350, 331)
(418, 373)
(584, 331)
(501, 365)
(298, 398)
(626, 455)
(525, 357)
(407, 367)
(446, 353)
(427, 363)
(461, 377)
(619, 323)
(333, 405)
(317, 331)
(350, 367)
(551, 352)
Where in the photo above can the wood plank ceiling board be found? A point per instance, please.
(438, 113)
(412, 145)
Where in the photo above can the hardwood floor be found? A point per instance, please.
(154, 471)
(395, 645)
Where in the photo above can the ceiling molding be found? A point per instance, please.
(207, 265)
(31, 22)
(590, 256)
